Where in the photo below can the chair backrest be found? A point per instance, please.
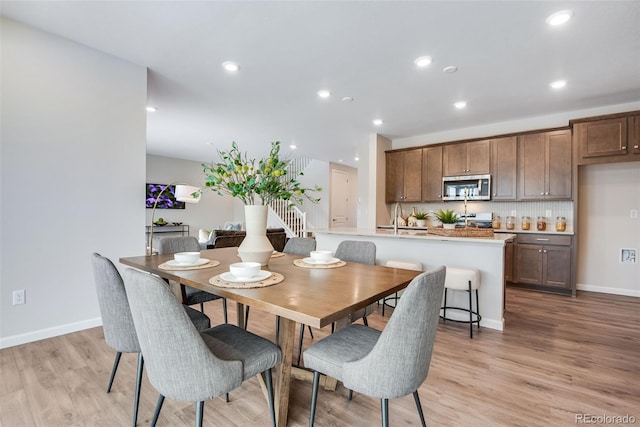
(179, 363)
(117, 323)
(171, 245)
(356, 251)
(399, 362)
(300, 246)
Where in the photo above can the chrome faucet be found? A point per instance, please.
(395, 218)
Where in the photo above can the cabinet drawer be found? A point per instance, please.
(543, 239)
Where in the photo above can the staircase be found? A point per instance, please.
(291, 218)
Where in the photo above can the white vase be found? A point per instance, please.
(256, 247)
(421, 222)
(448, 226)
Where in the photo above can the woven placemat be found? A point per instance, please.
(211, 263)
(277, 254)
(301, 263)
(274, 279)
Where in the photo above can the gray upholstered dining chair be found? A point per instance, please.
(117, 324)
(190, 296)
(185, 364)
(387, 364)
(363, 252)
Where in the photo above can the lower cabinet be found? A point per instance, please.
(543, 262)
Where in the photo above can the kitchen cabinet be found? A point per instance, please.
(508, 261)
(543, 261)
(403, 176)
(467, 158)
(432, 174)
(504, 168)
(608, 140)
(544, 170)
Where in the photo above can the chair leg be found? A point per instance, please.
(310, 331)
(199, 413)
(272, 408)
(156, 413)
(444, 309)
(383, 304)
(419, 406)
(384, 405)
(470, 311)
(246, 317)
(314, 397)
(364, 320)
(350, 394)
(201, 307)
(300, 342)
(136, 402)
(113, 370)
(224, 310)
(277, 328)
(478, 308)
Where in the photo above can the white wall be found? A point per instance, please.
(607, 194)
(212, 211)
(316, 173)
(72, 177)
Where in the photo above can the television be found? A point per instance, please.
(166, 201)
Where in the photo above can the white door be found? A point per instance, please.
(339, 198)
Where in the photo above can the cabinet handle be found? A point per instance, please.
(546, 194)
(624, 148)
(542, 240)
(635, 146)
(540, 250)
(495, 194)
(545, 251)
(542, 194)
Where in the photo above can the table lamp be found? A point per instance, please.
(184, 193)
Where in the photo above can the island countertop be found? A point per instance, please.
(496, 239)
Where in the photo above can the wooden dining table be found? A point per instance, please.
(313, 296)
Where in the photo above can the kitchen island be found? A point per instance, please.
(486, 254)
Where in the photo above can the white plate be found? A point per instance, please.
(174, 263)
(313, 261)
(228, 277)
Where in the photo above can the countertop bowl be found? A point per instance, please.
(322, 256)
(186, 257)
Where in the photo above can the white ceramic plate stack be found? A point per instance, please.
(245, 272)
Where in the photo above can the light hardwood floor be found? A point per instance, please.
(558, 357)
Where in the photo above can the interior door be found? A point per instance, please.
(339, 198)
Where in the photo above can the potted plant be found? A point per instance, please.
(448, 218)
(257, 183)
(421, 218)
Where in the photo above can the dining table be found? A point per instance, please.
(314, 295)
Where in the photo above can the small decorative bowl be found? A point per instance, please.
(186, 257)
(244, 270)
(322, 256)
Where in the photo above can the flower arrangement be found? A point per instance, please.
(256, 182)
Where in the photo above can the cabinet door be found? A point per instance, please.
(432, 174)
(394, 177)
(503, 168)
(478, 157)
(558, 173)
(529, 264)
(557, 266)
(532, 155)
(602, 138)
(455, 159)
(412, 176)
(633, 134)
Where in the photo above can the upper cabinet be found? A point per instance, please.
(467, 158)
(404, 176)
(432, 174)
(615, 139)
(503, 168)
(545, 166)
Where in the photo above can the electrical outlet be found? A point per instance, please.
(633, 214)
(18, 296)
(628, 255)
(547, 213)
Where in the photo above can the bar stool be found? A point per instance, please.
(398, 264)
(468, 280)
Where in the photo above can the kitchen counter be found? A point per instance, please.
(415, 245)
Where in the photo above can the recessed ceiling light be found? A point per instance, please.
(356, 158)
(559, 18)
(232, 67)
(293, 146)
(423, 61)
(450, 69)
(347, 99)
(323, 93)
(377, 122)
(558, 84)
(151, 109)
(460, 105)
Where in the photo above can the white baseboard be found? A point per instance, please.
(49, 332)
(608, 290)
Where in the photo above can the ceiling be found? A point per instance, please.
(505, 53)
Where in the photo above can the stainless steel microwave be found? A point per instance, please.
(473, 187)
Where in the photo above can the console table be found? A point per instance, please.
(183, 229)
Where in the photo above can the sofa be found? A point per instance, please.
(231, 238)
